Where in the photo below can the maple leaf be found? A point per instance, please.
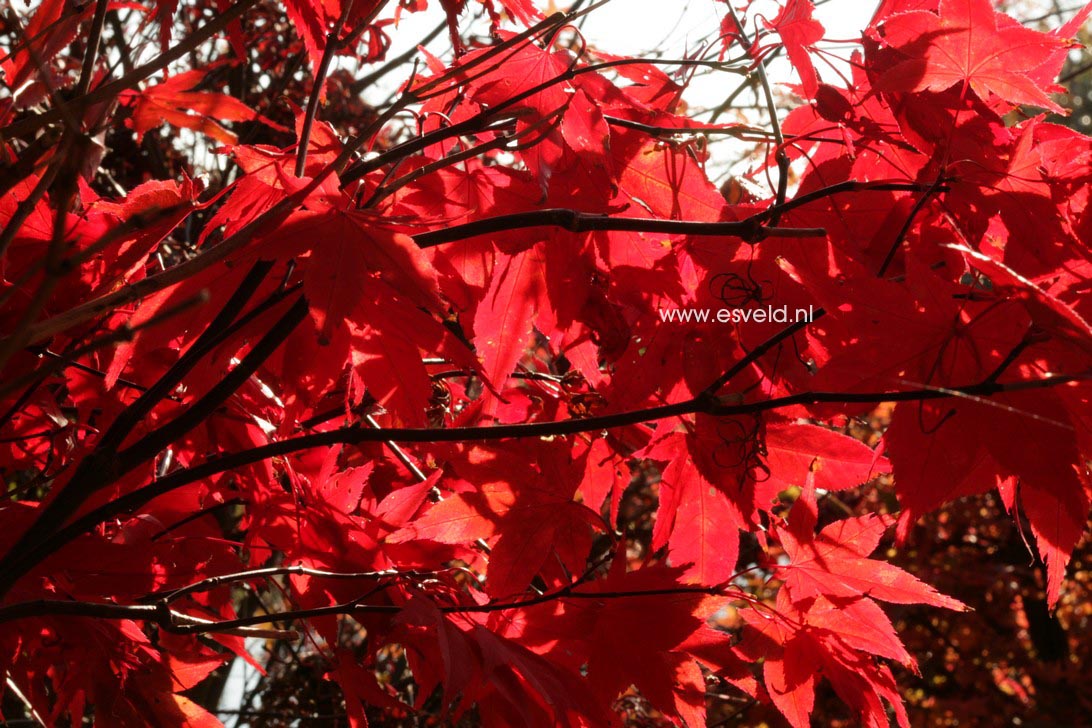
(168, 203)
(1044, 309)
(502, 676)
(977, 452)
(923, 332)
(931, 469)
(505, 318)
(668, 183)
(800, 32)
(606, 477)
(173, 101)
(859, 623)
(533, 521)
(789, 669)
(696, 518)
(361, 689)
(315, 22)
(799, 649)
(834, 563)
(523, 11)
(968, 44)
(659, 664)
(837, 461)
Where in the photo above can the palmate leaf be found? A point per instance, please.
(834, 563)
(967, 44)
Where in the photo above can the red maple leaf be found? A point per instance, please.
(834, 563)
(970, 45)
(799, 33)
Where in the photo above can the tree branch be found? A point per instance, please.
(333, 42)
(775, 124)
(178, 623)
(134, 413)
(356, 435)
(151, 444)
(104, 466)
(172, 595)
(919, 205)
(166, 618)
(87, 71)
(748, 229)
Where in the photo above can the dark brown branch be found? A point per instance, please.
(355, 435)
(1034, 335)
(740, 132)
(747, 83)
(93, 37)
(755, 354)
(1075, 72)
(212, 582)
(66, 363)
(134, 413)
(154, 442)
(196, 515)
(919, 205)
(333, 42)
(842, 188)
(577, 222)
(178, 623)
(167, 619)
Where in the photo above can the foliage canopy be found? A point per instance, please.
(387, 384)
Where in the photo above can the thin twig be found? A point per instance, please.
(94, 35)
(333, 43)
(775, 125)
(212, 582)
(364, 82)
(31, 710)
(179, 623)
